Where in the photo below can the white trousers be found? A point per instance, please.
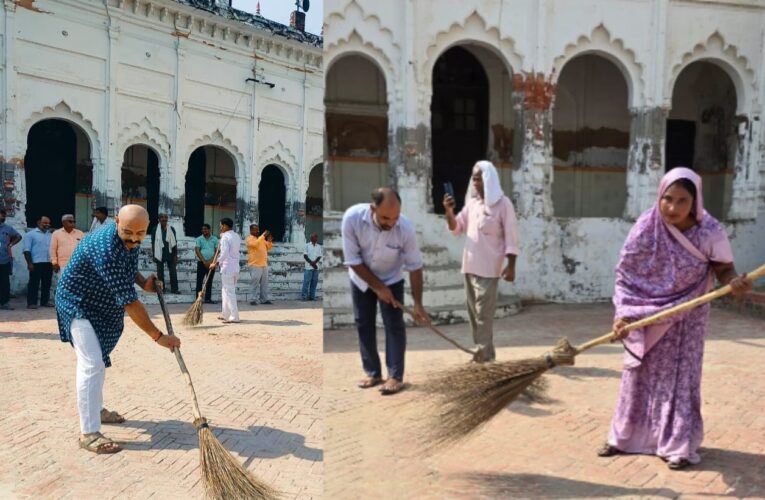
(90, 375)
(228, 294)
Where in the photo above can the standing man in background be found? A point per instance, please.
(164, 246)
(205, 251)
(257, 261)
(489, 224)
(63, 242)
(312, 256)
(100, 214)
(37, 254)
(228, 262)
(8, 238)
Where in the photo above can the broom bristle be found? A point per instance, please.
(469, 396)
(224, 477)
(194, 315)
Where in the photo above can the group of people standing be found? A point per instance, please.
(673, 254)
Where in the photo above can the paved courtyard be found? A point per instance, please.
(258, 383)
(543, 450)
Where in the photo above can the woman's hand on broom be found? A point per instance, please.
(740, 285)
(619, 328)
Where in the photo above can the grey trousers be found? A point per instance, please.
(481, 294)
(259, 285)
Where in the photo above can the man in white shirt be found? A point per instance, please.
(228, 263)
(311, 256)
(378, 245)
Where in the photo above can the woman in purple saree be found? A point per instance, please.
(671, 255)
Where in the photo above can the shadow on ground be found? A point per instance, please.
(542, 486)
(34, 336)
(255, 442)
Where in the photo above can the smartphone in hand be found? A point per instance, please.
(449, 189)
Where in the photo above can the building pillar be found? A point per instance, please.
(533, 96)
(645, 160)
(746, 176)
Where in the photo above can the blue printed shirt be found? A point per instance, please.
(97, 284)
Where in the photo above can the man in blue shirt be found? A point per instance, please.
(37, 254)
(378, 245)
(94, 293)
(205, 251)
(8, 238)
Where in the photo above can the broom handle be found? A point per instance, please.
(177, 351)
(436, 330)
(757, 273)
(209, 271)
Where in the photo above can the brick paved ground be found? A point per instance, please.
(548, 451)
(259, 385)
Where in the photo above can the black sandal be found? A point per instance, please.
(679, 465)
(608, 451)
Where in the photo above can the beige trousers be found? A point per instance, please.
(481, 296)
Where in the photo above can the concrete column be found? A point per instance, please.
(645, 160)
(746, 171)
(533, 96)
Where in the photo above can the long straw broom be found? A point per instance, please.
(471, 395)
(194, 315)
(224, 477)
(477, 353)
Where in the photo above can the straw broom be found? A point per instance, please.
(471, 395)
(224, 477)
(194, 315)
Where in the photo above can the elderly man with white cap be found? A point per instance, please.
(489, 224)
(63, 242)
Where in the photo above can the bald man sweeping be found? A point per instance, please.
(94, 293)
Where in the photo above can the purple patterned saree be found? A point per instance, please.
(658, 411)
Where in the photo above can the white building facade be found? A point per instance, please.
(189, 108)
(582, 106)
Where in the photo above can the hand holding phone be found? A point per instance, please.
(449, 201)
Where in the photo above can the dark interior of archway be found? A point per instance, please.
(272, 196)
(195, 194)
(50, 171)
(149, 179)
(459, 121)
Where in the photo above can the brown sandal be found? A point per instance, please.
(369, 382)
(111, 417)
(608, 451)
(99, 444)
(391, 386)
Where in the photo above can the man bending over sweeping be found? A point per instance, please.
(488, 221)
(378, 244)
(93, 294)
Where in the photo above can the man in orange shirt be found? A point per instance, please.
(257, 261)
(63, 242)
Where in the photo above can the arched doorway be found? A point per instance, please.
(314, 203)
(59, 173)
(272, 202)
(701, 131)
(459, 122)
(140, 179)
(210, 189)
(357, 130)
(591, 131)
